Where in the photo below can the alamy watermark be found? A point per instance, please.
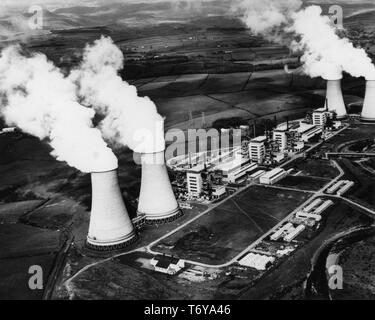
(36, 279)
(36, 20)
(336, 14)
(335, 277)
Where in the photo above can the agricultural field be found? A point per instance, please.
(314, 168)
(352, 134)
(303, 183)
(224, 232)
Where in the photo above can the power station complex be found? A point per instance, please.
(110, 225)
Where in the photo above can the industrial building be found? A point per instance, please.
(283, 230)
(307, 132)
(305, 215)
(288, 232)
(294, 233)
(323, 207)
(345, 187)
(110, 225)
(280, 137)
(335, 187)
(218, 192)
(166, 264)
(255, 177)
(319, 117)
(257, 261)
(313, 205)
(257, 149)
(234, 171)
(340, 187)
(195, 181)
(273, 176)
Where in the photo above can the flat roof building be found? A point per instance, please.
(295, 233)
(273, 176)
(257, 149)
(166, 264)
(319, 117)
(280, 137)
(195, 183)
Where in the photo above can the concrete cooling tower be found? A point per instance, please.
(368, 111)
(335, 98)
(110, 224)
(156, 199)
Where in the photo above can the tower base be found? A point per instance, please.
(367, 120)
(342, 117)
(163, 218)
(110, 246)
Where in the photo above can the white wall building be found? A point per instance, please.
(195, 183)
(295, 233)
(305, 215)
(255, 177)
(308, 132)
(319, 117)
(219, 192)
(257, 261)
(236, 169)
(273, 176)
(257, 149)
(281, 139)
(167, 265)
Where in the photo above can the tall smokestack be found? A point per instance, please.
(368, 111)
(156, 199)
(335, 99)
(110, 225)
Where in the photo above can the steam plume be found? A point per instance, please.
(129, 120)
(263, 16)
(325, 54)
(324, 51)
(38, 99)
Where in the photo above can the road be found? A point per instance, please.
(315, 194)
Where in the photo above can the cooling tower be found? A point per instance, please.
(368, 112)
(156, 199)
(110, 225)
(335, 98)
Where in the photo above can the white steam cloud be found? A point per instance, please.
(325, 54)
(38, 99)
(129, 120)
(263, 16)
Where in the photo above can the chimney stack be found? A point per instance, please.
(110, 224)
(335, 99)
(368, 111)
(157, 200)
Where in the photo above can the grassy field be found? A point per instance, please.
(224, 232)
(355, 132)
(314, 168)
(303, 183)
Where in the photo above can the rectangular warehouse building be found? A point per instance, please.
(273, 176)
